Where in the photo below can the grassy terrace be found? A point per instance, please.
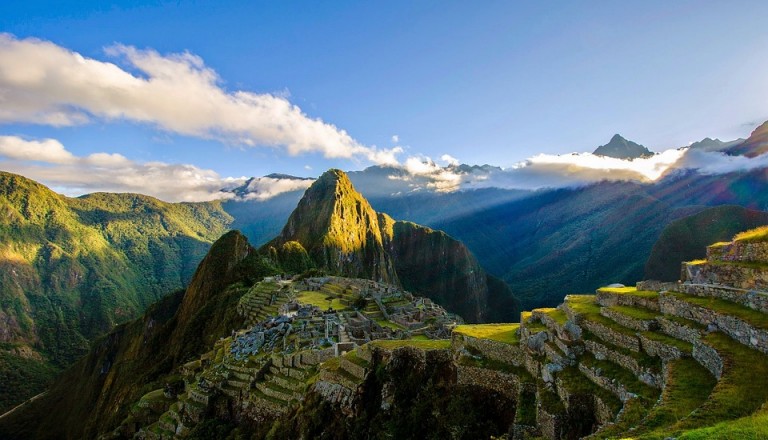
(507, 333)
(355, 359)
(752, 317)
(320, 299)
(686, 322)
(629, 291)
(681, 345)
(432, 344)
(753, 235)
(642, 359)
(492, 364)
(587, 307)
(576, 383)
(622, 375)
(742, 390)
(688, 387)
(556, 314)
(635, 312)
(389, 324)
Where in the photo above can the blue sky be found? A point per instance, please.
(484, 82)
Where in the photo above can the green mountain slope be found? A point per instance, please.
(137, 357)
(687, 239)
(72, 268)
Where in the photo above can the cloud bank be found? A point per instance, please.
(43, 83)
(50, 162)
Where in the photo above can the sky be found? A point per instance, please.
(177, 98)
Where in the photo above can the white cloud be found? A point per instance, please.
(395, 138)
(48, 150)
(449, 159)
(49, 162)
(263, 188)
(43, 83)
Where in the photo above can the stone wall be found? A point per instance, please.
(739, 251)
(753, 299)
(505, 383)
(734, 327)
(510, 354)
(733, 275)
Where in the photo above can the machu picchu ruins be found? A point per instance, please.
(650, 361)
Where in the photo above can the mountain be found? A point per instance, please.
(557, 242)
(72, 268)
(687, 239)
(342, 234)
(755, 145)
(137, 356)
(621, 148)
(709, 144)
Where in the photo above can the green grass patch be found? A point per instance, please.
(636, 312)
(683, 346)
(752, 317)
(525, 413)
(432, 344)
(507, 333)
(492, 364)
(630, 291)
(742, 389)
(753, 235)
(754, 427)
(688, 387)
(576, 383)
(642, 359)
(622, 375)
(686, 322)
(389, 324)
(320, 299)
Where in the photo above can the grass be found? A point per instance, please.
(754, 427)
(686, 322)
(630, 291)
(688, 387)
(587, 307)
(389, 324)
(320, 299)
(622, 375)
(752, 317)
(642, 359)
(492, 364)
(577, 383)
(432, 344)
(507, 333)
(636, 312)
(742, 389)
(753, 235)
(526, 409)
(556, 314)
(681, 345)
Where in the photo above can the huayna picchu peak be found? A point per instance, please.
(341, 234)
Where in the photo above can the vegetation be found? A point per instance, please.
(320, 299)
(507, 333)
(74, 268)
(750, 316)
(687, 239)
(432, 344)
(755, 235)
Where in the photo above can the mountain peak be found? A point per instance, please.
(621, 148)
(755, 145)
(339, 229)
